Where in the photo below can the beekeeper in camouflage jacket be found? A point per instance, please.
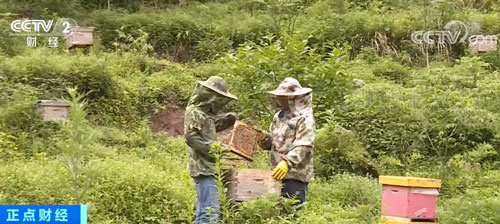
(291, 138)
(203, 118)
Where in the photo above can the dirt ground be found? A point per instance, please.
(170, 121)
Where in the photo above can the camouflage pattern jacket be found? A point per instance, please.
(291, 138)
(200, 126)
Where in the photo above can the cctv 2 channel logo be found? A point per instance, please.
(42, 27)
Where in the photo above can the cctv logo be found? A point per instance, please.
(456, 31)
(29, 26)
(38, 27)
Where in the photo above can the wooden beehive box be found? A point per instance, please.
(473, 166)
(53, 110)
(481, 44)
(248, 184)
(231, 161)
(244, 140)
(80, 37)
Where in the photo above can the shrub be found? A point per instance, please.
(338, 150)
(166, 31)
(41, 181)
(52, 73)
(9, 45)
(430, 117)
(45, 8)
(343, 199)
(388, 69)
(265, 210)
(471, 209)
(213, 47)
(253, 70)
(157, 197)
(493, 59)
(201, 33)
(120, 87)
(383, 116)
(476, 201)
(20, 119)
(8, 147)
(18, 108)
(127, 190)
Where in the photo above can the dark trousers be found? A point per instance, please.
(294, 188)
(207, 195)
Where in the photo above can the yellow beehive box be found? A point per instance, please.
(410, 181)
(398, 220)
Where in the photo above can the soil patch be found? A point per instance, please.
(170, 121)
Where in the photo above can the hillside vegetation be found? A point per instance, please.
(383, 104)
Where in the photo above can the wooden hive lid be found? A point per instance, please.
(82, 29)
(409, 181)
(54, 103)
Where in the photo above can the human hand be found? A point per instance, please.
(232, 116)
(280, 170)
(262, 135)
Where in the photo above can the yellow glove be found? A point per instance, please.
(280, 170)
(262, 135)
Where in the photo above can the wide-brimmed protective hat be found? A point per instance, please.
(218, 85)
(290, 87)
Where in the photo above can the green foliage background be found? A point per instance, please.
(383, 105)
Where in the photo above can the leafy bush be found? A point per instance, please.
(128, 43)
(431, 116)
(18, 108)
(213, 47)
(265, 210)
(471, 209)
(343, 199)
(158, 197)
(338, 150)
(382, 115)
(8, 146)
(158, 194)
(471, 197)
(52, 73)
(391, 70)
(120, 87)
(129, 5)
(20, 119)
(200, 33)
(44, 9)
(41, 181)
(493, 59)
(9, 45)
(166, 32)
(253, 70)
(371, 113)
